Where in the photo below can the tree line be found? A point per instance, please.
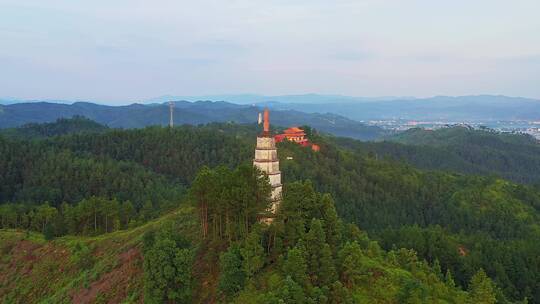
(90, 216)
(229, 201)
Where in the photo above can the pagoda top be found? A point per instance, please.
(266, 123)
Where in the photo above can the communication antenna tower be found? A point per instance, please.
(171, 109)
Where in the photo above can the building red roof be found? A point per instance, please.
(294, 130)
(279, 137)
(296, 135)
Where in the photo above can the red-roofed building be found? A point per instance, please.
(296, 135)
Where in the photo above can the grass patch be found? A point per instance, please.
(33, 270)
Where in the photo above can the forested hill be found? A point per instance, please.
(310, 256)
(61, 126)
(512, 156)
(96, 183)
(201, 112)
(460, 135)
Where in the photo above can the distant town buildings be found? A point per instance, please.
(516, 126)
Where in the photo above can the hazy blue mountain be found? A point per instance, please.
(462, 108)
(8, 101)
(446, 108)
(200, 112)
(300, 98)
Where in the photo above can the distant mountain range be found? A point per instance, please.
(478, 108)
(194, 113)
(254, 98)
(444, 108)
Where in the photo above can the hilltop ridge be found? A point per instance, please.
(200, 112)
(459, 149)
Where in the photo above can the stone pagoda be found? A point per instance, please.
(266, 160)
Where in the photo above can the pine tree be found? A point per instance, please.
(339, 294)
(449, 280)
(147, 211)
(48, 232)
(437, 269)
(232, 277)
(183, 261)
(44, 214)
(291, 292)
(295, 266)
(327, 271)
(127, 213)
(315, 241)
(481, 289)
(350, 260)
(167, 268)
(252, 254)
(332, 223)
(200, 192)
(296, 211)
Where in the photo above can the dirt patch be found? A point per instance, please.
(115, 285)
(377, 273)
(25, 250)
(205, 273)
(32, 268)
(21, 262)
(463, 251)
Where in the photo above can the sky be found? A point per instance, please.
(119, 50)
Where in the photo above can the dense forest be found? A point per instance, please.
(461, 149)
(62, 126)
(464, 222)
(307, 255)
(458, 225)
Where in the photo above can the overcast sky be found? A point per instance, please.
(118, 50)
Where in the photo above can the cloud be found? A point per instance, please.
(136, 48)
(353, 55)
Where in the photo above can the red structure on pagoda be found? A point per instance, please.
(298, 136)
